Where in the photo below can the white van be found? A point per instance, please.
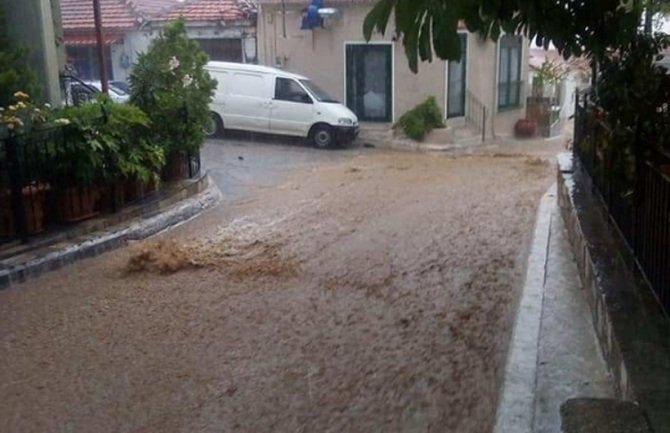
(263, 99)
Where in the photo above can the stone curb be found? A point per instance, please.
(633, 338)
(516, 408)
(97, 243)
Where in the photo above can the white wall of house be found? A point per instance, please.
(126, 53)
(320, 55)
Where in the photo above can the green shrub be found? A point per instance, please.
(432, 115)
(170, 84)
(109, 142)
(422, 119)
(414, 126)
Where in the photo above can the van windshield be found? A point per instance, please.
(318, 93)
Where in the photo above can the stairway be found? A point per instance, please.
(383, 136)
(467, 136)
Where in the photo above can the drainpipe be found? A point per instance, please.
(101, 46)
(283, 17)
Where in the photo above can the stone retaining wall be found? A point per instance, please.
(634, 335)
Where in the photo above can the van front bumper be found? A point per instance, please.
(346, 134)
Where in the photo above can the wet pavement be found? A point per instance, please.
(569, 362)
(243, 163)
(554, 354)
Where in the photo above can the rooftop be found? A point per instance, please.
(77, 15)
(122, 15)
(213, 10)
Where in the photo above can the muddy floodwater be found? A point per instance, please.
(373, 293)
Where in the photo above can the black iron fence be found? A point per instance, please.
(476, 114)
(39, 188)
(633, 180)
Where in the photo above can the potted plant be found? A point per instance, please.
(141, 168)
(79, 162)
(525, 128)
(114, 153)
(21, 117)
(33, 197)
(6, 209)
(170, 84)
(135, 160)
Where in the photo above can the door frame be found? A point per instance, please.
(344, 57)
(466, 82)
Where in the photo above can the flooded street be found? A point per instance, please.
(350, 291)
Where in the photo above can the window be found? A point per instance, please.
(222, 50)
(317, 92)
(509, 78)
(290, 90)
(84, 60)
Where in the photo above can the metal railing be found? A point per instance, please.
(75, 91)
(38, 187)
(476, 114)
(635, 188)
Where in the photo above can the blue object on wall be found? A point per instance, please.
(310, 16)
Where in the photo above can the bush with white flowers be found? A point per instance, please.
(170, 84)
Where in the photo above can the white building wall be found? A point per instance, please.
(125, 54)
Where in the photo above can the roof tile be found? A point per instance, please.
(121, 15)
(77, 15)
(214, 10)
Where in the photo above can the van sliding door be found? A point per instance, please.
(248, 105)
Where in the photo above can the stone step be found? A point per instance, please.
(375, 136)
(592, 415)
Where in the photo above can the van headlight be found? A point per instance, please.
(345, 121)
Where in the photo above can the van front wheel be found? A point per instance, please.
(323, 136)
(214, 127)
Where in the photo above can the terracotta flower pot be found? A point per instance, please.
(525, 128)
(177, 167)
(7, 228)
(78, 203)
(33, 205)
(112, 197)
(135, 189)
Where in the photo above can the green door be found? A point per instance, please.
(370, 81)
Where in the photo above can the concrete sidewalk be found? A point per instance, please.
(569, 360)
(554, 354)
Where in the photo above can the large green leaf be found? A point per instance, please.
(430, 26)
